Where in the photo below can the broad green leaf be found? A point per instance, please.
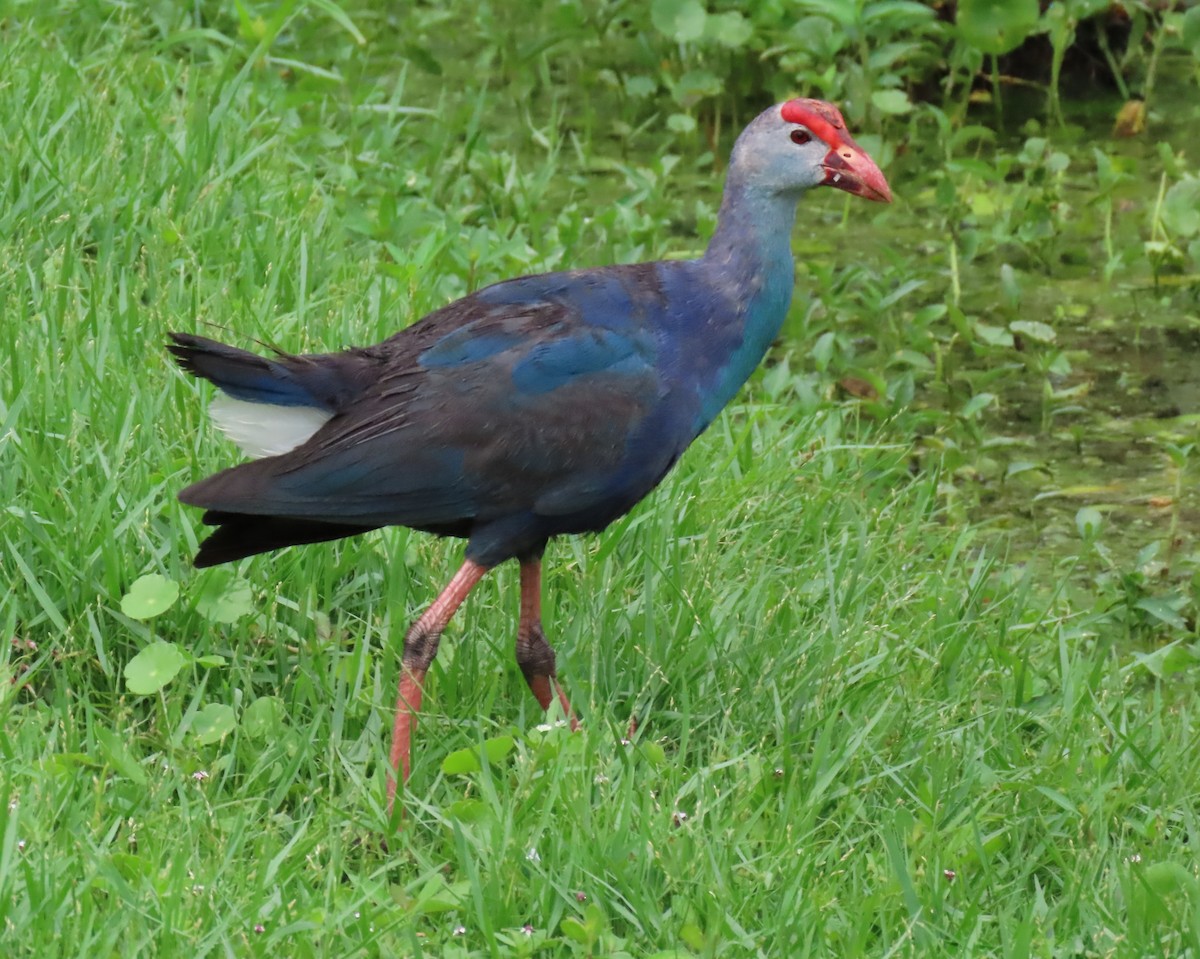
(464, 761)
(1162, 609)
(681, 123)
(575, 930)
(1018, 467)
(1190, 30)
(728, 29)
(149, 596)
(976, 405)
(993, 335)
(894, 102)
(497, 748)
(1169, 878)
(439, 896)
(213, 723)
(694, 86)
(152, 668)
(468, 810)
(1181, 208)
(1034, 330)
(640, 87)
(996, 26)
(681, 20)
(1167, 660)
(224, 597)
(1089, 520)
(265, 718)
(692, 936)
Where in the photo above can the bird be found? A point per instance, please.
(535, 407)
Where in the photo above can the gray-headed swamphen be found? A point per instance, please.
(538, 406)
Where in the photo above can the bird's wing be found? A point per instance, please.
(525, 397)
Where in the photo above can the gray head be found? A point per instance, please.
(800, 144)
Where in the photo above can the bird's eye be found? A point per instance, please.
(801, 136)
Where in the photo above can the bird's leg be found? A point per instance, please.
(534, 655)
(420, 647)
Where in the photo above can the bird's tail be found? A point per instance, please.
(323, 381)
(273, 404)
(239, 535)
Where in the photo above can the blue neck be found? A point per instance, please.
(749, 261)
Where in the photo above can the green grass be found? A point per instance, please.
(863, 733)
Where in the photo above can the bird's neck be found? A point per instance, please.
(748, 266)
(754, 230)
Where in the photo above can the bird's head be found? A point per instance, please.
(800, 144)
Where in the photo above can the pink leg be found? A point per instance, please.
(420, 647)
(534, 655)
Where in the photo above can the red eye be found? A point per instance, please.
(801, 136)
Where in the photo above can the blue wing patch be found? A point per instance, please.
(551, 365)
(468, 345)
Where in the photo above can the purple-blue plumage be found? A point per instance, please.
(539, 406)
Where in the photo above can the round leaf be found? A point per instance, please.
(464, 761)
(149, 596)
(461, 762)
(729, 29)
(680, 123)
(468, 810)
(213, 723)
(225, 598)
(264, 718)
(681, 20)
(1181, 208)
(996, 26)
(694, 86)
(152, 668)
(1190, 30)
(894, 102)
(640, 87)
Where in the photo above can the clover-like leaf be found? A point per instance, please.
(264, 718)
(213, 723)
(154, 667)
(996, 26)
(681, 20)
(149, 596)
(224, 598)
(463, 761)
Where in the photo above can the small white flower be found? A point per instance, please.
(460, 930)
(532, 855)
(200, 775)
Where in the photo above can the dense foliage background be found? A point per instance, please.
(911, 631)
